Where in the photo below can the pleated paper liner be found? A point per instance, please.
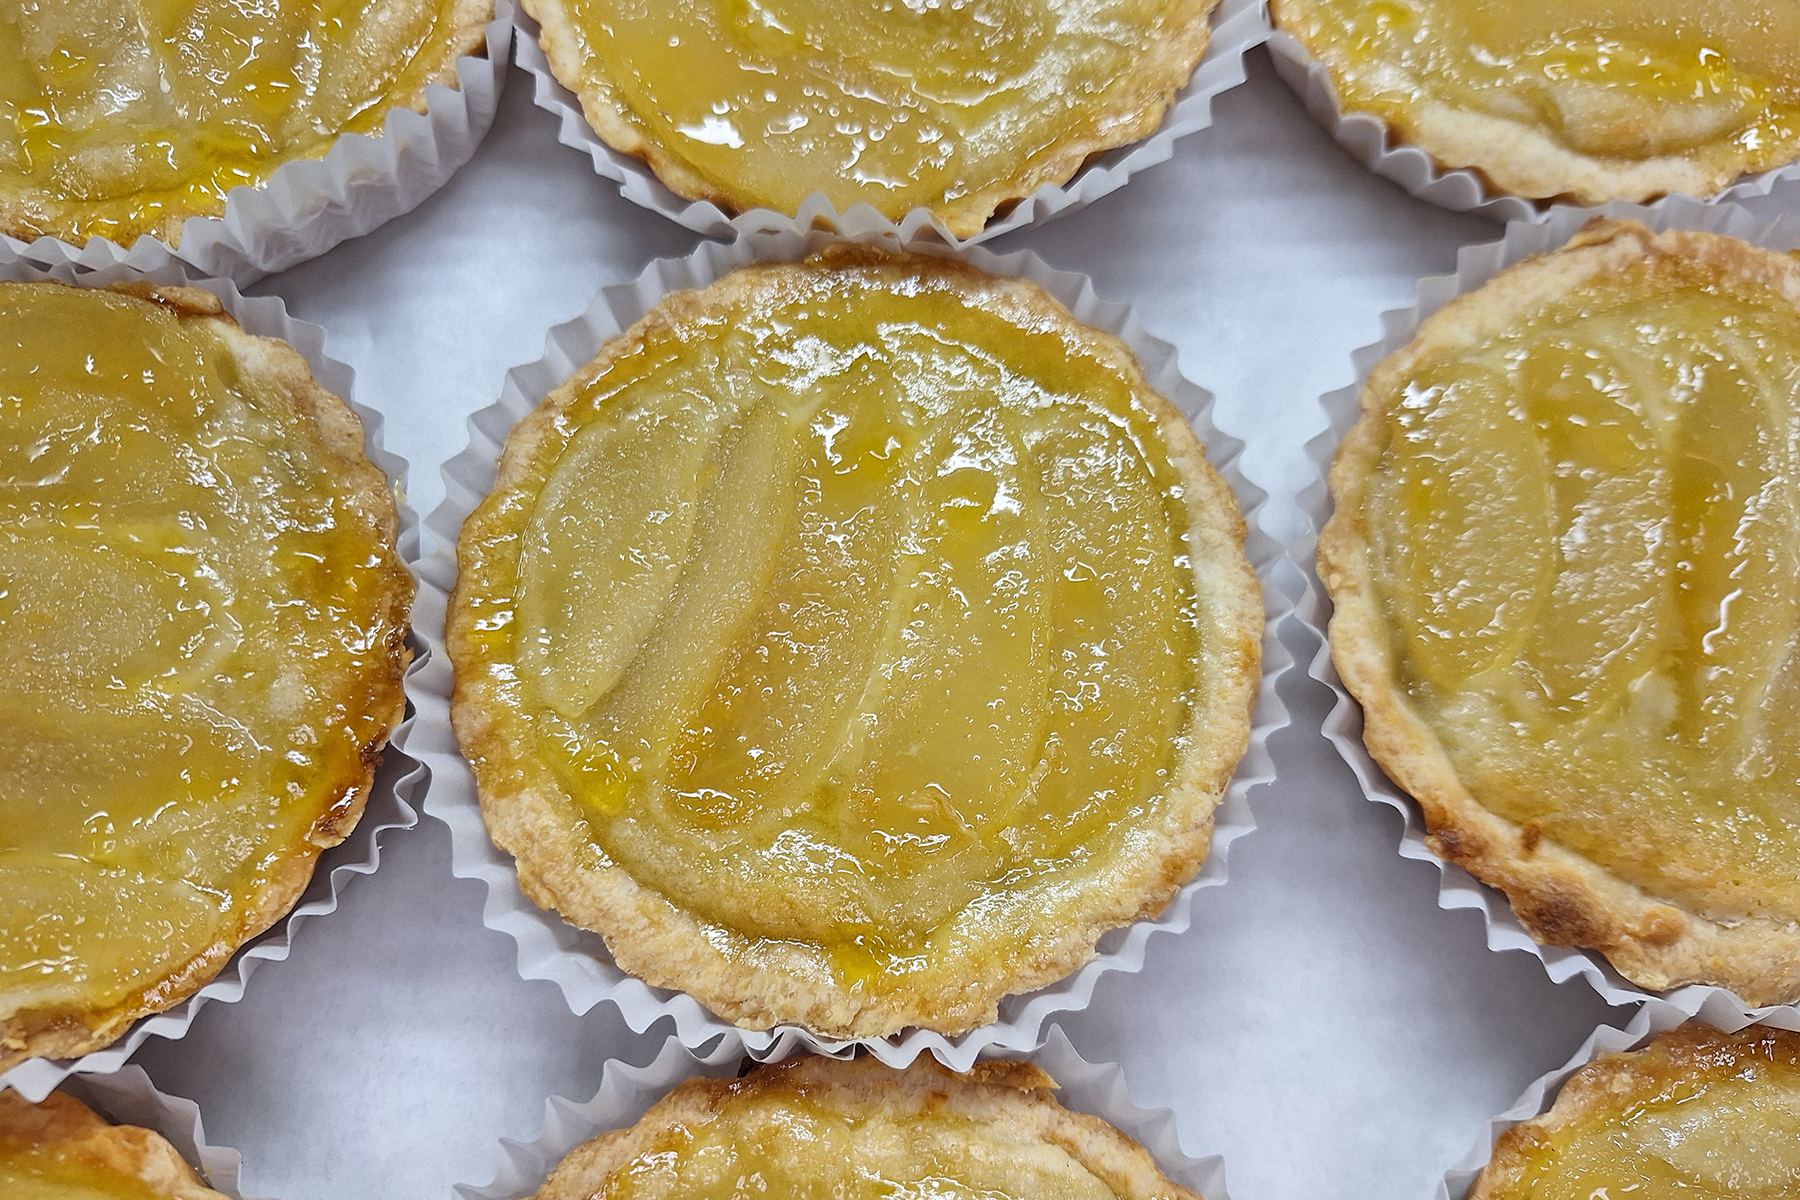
(309, 206)
(577, 960)
(1237, 25)
(1343, 727)
(627, 1092)
(1373, 143)
(400, 781)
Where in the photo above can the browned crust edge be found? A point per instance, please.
(1562, 898)
(1014, 1097)
(659, 942)
(1518, 158)
(1159, 76)
(279, 370)
(1603, 1084)
(467, 21)
(82, 1135)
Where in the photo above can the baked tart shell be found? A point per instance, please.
(279, 372)
(1562, 898)
(665, 945)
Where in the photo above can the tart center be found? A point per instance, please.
(31, 1172)
(177, 583)
(1614, 79)
(894, 104)
(1584, 535)
(841, 614)
(122, 111)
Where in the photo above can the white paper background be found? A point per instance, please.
(1324, 1024)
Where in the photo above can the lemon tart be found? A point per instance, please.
(851, 643)
(858, 1130)
(957, 107)
(202, 623)
(130, 118)
(1585, 100)
(1565, 563)
(1695, 1115)
(62, 1150)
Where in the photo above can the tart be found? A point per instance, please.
(1582, 100)
(62, 1150)
(820, 1126)
(1566, 581)
(961, 108)
(1695, 1115)
(129, 119)
(851, 643)
(202, 624)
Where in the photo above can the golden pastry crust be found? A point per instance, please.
(81, 1136)
(1518, 154)
(1692, 1052)
(667, 946)
(1561, 897)
(280, 374)
(1155, 80)
(27, 216)
(1013, 1099)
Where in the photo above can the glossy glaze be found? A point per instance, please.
(861, 617)
(896, 103)
(1583, 536)
(35, 1173)
(192, 628)
(1619, 80)
(1708, 1117)
(782, 1145)
(118, 115)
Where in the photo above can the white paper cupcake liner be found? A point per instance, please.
(1237, 25)
(127, 1097)
(309, 206)
(400, 781)
(627, 1092)
(577, 960)
(1653, 1018)
(1343, 727)
(1370, 141)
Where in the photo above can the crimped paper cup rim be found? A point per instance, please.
(128, 1097)
(1237, 26)
(310, 205)
(401, 779)
(577, 960)
(1477, 264)
(1371, 141)
(1655, 1017)
(626, 1092)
